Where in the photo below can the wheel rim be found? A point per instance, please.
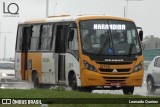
(149, 85)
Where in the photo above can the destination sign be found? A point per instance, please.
(111, 26)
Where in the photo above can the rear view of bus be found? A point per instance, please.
(111, 54)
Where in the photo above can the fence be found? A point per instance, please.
(6, 59)
(149, 54)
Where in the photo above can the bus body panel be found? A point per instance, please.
(18, 60)
(34, 63)
(44, 65)
(99, 78)
(48, 68)
(72, 64)
(96, 79)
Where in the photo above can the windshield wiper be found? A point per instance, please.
(109, 34)
(131, 45)
(104, 45)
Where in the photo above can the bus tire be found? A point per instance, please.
(150, 85)
(73, 81)
(36, 81)
(128, 90)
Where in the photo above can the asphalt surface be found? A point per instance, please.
(137, 91)
(17, 85)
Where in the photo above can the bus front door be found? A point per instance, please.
(26, 33)
(60, 49)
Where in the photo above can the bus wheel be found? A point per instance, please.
(150, 85)
(36, 81)
(73, 82)
(128, 90)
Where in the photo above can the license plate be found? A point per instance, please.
(115, 84)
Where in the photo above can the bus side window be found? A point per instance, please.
(60, 43)
(35, 37)
(19, 38)
(73, 40)
(25, 40)
(46, 37)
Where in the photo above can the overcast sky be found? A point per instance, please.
(145, 13)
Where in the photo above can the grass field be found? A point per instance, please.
(61, 98)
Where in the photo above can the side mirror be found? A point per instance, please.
(141, 35)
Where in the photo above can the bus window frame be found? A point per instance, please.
(68, 23)
(51, 37)
(69, 50)
(94, 57)
(31, 37)
(62, 24)
(39, 47)
(18, 37)
(17, 41)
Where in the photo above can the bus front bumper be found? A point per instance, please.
(90, 78)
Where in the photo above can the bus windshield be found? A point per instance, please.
(109, 37)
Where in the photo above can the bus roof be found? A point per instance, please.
(64, 18)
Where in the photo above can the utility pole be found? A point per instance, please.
(126, 7)
(47, 5)
(4, 44)
(55, 4)
(0, 29)
(4, 47)
(1, 32)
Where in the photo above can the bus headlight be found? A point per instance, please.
(138, 67)
(3, 74)
(89, 66)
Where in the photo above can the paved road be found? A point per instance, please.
(138, 90)
(17, 85)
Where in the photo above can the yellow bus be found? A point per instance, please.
(86, 52)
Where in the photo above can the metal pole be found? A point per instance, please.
(55, 8)
(47, 3)
(0, 29)
(126, 7)
(4, 47)
(4, 39)
(124, 11)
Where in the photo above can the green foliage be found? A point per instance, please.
(57, 93)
